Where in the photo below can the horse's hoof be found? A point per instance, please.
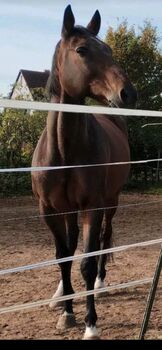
(53, 304)
(91, 333)
(66, 321)
(91, 338)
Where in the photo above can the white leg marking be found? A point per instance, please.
(65, 313)
(99, 283)
(91, 333)
(58, 293)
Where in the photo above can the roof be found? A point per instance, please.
(34, 79)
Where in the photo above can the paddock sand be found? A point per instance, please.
(120, 312)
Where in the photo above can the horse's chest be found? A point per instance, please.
(83, 188)
(70, 192)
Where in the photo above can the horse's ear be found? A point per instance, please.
(94, 24)
(68, 21)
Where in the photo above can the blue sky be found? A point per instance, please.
(30, 29)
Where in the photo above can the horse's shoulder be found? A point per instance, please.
(113, 121)
(40, 146)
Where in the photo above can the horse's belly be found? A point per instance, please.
(118, 176)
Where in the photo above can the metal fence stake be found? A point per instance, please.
(151, 297)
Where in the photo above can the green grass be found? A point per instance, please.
(141, 187)
(156, 189)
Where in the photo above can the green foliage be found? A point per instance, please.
(19, 133)
(139, 55)
(39, 94)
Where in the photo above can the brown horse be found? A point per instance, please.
(82, 66)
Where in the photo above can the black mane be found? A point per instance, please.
(53, 87)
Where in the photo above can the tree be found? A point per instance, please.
(19, 133)
(140, 57)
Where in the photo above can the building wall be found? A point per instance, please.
(21, 90)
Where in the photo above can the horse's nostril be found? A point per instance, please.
(128, 96)
(124, 96)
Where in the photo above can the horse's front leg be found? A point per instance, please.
(91, 230)
(72, 232)
(58, 228)
(67, 319)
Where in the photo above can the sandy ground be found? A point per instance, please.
(25, 240)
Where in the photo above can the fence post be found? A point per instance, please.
(151, 296)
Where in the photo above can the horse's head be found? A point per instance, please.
(85, 67)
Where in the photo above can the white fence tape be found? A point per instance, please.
(45, 168)
(46, 106)
(31, 217)
(79, 257)
(20, 307)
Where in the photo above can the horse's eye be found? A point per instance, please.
(82, 50)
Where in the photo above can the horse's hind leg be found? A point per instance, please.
(56, 223)
(72, 231)
(105, 243)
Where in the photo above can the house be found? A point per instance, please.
(26, 81)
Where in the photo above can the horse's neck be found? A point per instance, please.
(52, 149)
(70, 130)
